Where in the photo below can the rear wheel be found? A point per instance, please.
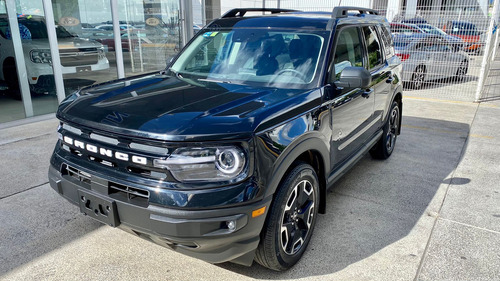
(385, 146)
(291, 221)
(418, 78)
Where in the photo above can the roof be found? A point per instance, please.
(294, 20)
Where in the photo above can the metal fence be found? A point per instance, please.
(445, 48)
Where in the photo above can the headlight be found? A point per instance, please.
(100, 53)
(225, 163)
(41, 56)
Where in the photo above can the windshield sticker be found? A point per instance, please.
(210, 34)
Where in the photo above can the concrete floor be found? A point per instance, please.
(430, 212)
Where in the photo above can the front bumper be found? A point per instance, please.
(202, 234)
(37, 70)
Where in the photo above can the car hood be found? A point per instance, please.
(64, 43)
(454, 39)
(167, 108)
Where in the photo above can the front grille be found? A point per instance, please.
(79, 57)
(76, 174)
(133, 194)
(122, 155)
(117, 191)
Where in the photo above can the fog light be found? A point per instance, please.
(231, 225)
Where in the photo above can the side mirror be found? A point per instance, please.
(354, 77)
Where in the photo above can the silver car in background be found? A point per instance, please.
(427, 57)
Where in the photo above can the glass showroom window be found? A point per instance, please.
(39, 96)
(150, 34)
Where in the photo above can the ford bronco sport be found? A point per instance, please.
(226, 154)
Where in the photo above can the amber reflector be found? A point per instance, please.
(259, 212)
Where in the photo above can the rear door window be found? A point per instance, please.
(373, 47)
(386, 37)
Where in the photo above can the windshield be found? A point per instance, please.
(464, 28)
(253, 56)
(431, 29)
(33, 29)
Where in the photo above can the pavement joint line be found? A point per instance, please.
(426, 250)
(372, 201)
(30, 188)
(448, 132)
(449, 101)
(470, 225)
(23, 139)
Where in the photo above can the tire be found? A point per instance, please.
(10, 75)
(291, 221)
(418, 77)
(462, 70)
(385, 146)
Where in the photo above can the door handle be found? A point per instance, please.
(366, 93)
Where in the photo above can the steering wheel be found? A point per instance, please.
(295, 73)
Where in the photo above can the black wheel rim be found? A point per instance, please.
(418, 78)
(462, 69)
(393, 129)
(297, 217)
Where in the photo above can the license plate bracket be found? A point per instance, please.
(99, 208)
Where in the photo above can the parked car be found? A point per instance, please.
(227, 154)
(408, 29)
(416, 20)
(77, 55)
(429, 57)
(127, 45)
(454, 41)
(109, 27)
(468, 32)
(397, 28)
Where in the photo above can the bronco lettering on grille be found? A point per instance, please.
(105, 152)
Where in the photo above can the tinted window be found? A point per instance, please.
(386, 37)
(463, 28)
(373, 47)
(348, 51)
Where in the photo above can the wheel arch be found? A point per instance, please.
(311, 150)
(398, 97)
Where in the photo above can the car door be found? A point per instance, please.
(428, 55)
(351, 108)
(443, 58)
(381, 76)
(386, 74)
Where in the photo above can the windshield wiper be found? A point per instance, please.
(215, 81)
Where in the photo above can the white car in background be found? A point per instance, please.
(77, 54)
(427, 57)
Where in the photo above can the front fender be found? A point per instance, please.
(277, 163)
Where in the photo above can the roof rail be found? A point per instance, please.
(341, 11)
(240, 12)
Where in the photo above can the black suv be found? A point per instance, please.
(226, 154)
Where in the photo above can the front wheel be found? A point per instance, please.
(290, 224)
(385, 146)
(11, 78)
(462, 70)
